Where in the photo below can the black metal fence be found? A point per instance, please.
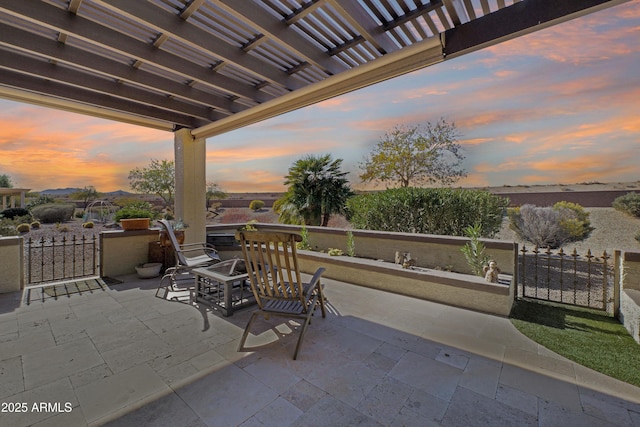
(50, 260)
(566, 278)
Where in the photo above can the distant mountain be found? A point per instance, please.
(61, 192)
(117, 193)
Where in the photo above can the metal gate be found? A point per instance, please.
(51, 260)
(566, 278)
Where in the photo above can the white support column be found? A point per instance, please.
(190, 159)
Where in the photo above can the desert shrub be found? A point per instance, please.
(88, 224)
(574, 220)
(41, 200)
(79, 214)
(23, 228)
(52, 213)
(256, 205)
(629, 204)
(136, 209)
(539, 225)
(304, 243)
(443, 211)
(550, 226)
(351, 244)
(35, 225)
(474, 250)
(7, 228)
(11, 213)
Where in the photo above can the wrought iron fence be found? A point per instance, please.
(567, 278)
(50, 260)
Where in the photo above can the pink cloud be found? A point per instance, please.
(566, 42)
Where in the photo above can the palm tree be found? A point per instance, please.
(317, 189)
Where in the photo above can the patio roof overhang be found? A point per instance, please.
(212, 66)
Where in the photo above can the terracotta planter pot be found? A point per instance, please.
(134, 224)
(166, 241)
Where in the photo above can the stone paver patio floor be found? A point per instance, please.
(122, 357)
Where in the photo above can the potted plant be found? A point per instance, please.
(135, 216)
(178, 230)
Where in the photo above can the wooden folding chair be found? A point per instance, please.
(276, 282)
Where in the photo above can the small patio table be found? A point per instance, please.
(223, 286)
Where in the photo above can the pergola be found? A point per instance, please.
(9, 195)
(200, 68)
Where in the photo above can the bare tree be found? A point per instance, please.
(87, 195)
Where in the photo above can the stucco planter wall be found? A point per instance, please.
(366, 269)
(461, 290)
(429, 250)
(121, 251)
(629, 314)
(11, 264)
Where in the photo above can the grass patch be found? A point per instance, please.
(584, 336)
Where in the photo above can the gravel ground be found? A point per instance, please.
(613, 230)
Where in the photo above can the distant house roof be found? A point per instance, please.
(13, 191)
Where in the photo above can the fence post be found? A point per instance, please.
(617, 281)
(516, 272)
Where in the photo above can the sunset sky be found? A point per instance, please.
(560, 105)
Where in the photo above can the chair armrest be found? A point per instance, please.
(313, 284)
(191, 247)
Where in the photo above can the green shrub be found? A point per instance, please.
(79, 214)
(52, 213)
(351, 244)
(23, 228)
(136, 210)
(35, 225)
(256, 205)
(474, 250)
(7, 228)
(88, 224)
(443, 211)
(629, 204)
(304, 243)
(11, 213)
(574, 220)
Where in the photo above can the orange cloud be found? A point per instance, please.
(45, 148)
(476, 141)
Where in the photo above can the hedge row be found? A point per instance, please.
(443, 211)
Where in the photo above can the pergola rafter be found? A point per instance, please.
(215, 65)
